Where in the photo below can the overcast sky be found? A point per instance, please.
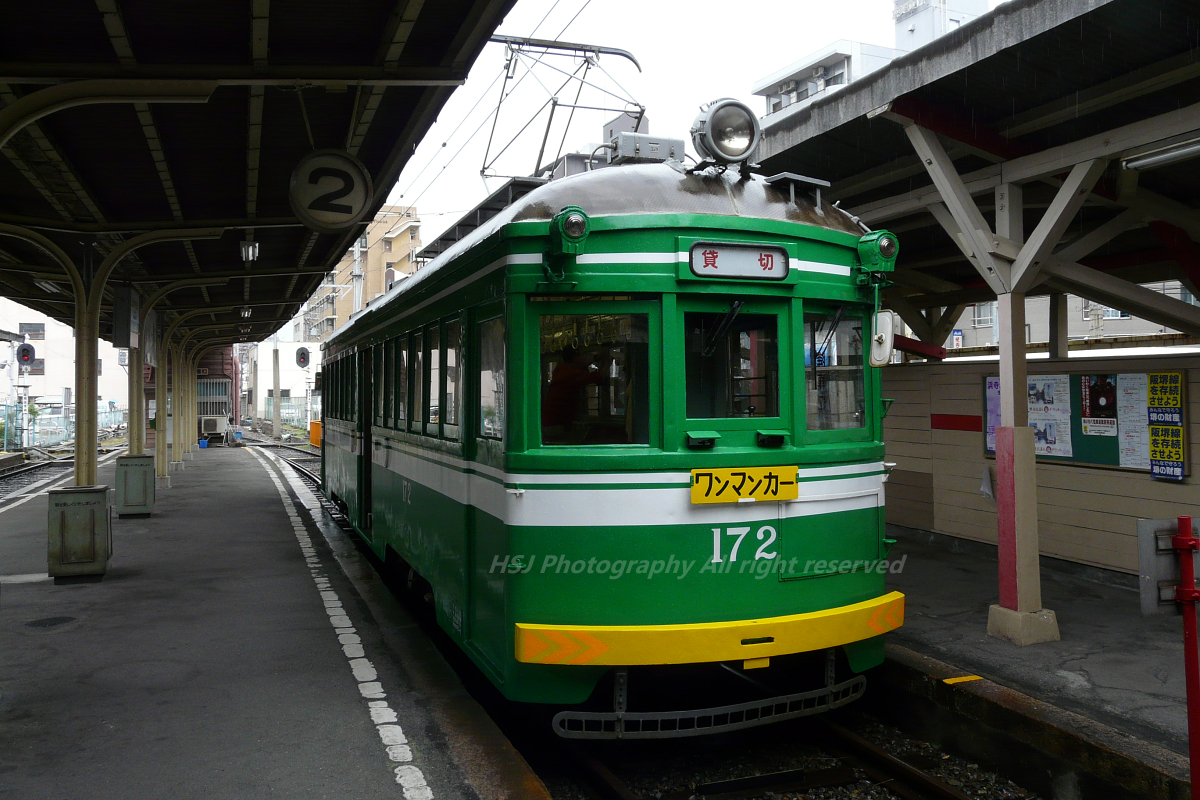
(690, 53)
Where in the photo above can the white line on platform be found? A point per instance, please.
(399, 751)
(31, 578)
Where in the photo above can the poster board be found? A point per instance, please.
(1133, 421)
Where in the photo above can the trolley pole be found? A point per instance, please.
(1187, 595)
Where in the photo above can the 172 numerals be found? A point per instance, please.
(765, 532)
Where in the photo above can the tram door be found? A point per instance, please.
(366, 414)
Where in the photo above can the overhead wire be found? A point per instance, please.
(483, 95)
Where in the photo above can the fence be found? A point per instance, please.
(47, 429)
(292, 410)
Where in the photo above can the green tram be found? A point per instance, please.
(626, 432)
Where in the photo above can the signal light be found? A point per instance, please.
(302, 357)
(25, 355)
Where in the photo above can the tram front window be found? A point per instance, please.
(595, 379)
(833, 370)
(732, 364)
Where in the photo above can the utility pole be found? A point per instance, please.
(356, 276)
(276, 401)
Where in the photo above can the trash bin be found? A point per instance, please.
(135, 486)
(203, 444)
(79, 531)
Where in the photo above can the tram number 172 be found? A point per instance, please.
(765, 532)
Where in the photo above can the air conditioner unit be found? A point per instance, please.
(787, 86)
(818, 72)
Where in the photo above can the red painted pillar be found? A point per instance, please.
(1187, 595)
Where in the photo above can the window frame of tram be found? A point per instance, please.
(647, 427)
(741, 429)
(852, 313)
(491, 349)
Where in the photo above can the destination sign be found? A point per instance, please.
(745, 262)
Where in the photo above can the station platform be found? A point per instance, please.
(1115, 681)
(239, 646)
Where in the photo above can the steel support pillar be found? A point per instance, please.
(1019, 617)
(187, 420)
(87, 336)
(162, 377)
(177, 384)
(137, 403)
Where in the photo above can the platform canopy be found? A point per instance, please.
(1006, 156)
(120, 118)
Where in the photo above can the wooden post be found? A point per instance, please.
(1019, 617)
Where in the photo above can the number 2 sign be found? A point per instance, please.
(330, 190)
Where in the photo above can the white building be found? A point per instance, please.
(820, 74)
(295, 383)
(54, 369)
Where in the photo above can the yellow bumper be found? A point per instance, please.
(627, 645)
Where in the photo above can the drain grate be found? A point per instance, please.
(49, 622)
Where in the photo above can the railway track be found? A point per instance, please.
(20, 481)
(856, 759)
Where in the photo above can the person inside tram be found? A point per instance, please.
(566, 395)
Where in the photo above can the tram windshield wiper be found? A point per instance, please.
(823, 350)
(718, 333)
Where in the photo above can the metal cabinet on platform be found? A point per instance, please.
(135, 486)
(79, 531)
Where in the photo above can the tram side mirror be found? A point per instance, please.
(883, 334)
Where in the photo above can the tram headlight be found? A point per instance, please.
(877, 251)
(569, 229)
(726, 131)
(574, 225)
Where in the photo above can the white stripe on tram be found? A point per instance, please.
(844, 489)
(680, 258)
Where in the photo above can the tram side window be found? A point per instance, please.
(491, 378)
(401, 387)
(433, 380)
(595, 379)
(334, 409)
(389, 359)
(453, 336)
(418, 383)
(376, 382)
(732, 364)
(833, 370)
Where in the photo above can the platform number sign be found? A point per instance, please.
(330, 190)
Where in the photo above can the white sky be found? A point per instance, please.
(690, 53)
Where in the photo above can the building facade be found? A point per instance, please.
(54, 369)
(382, 256)
(977, 326)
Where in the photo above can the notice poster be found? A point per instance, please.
(1132, 424)
(1098, 400)
(1164, 413)
(992, 397)
(1050, 414)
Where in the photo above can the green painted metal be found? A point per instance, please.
(429, 497)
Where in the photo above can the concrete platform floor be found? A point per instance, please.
(238, 647)
(1112, 665)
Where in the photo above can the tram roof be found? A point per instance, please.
(366, 76)
(632, 190)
